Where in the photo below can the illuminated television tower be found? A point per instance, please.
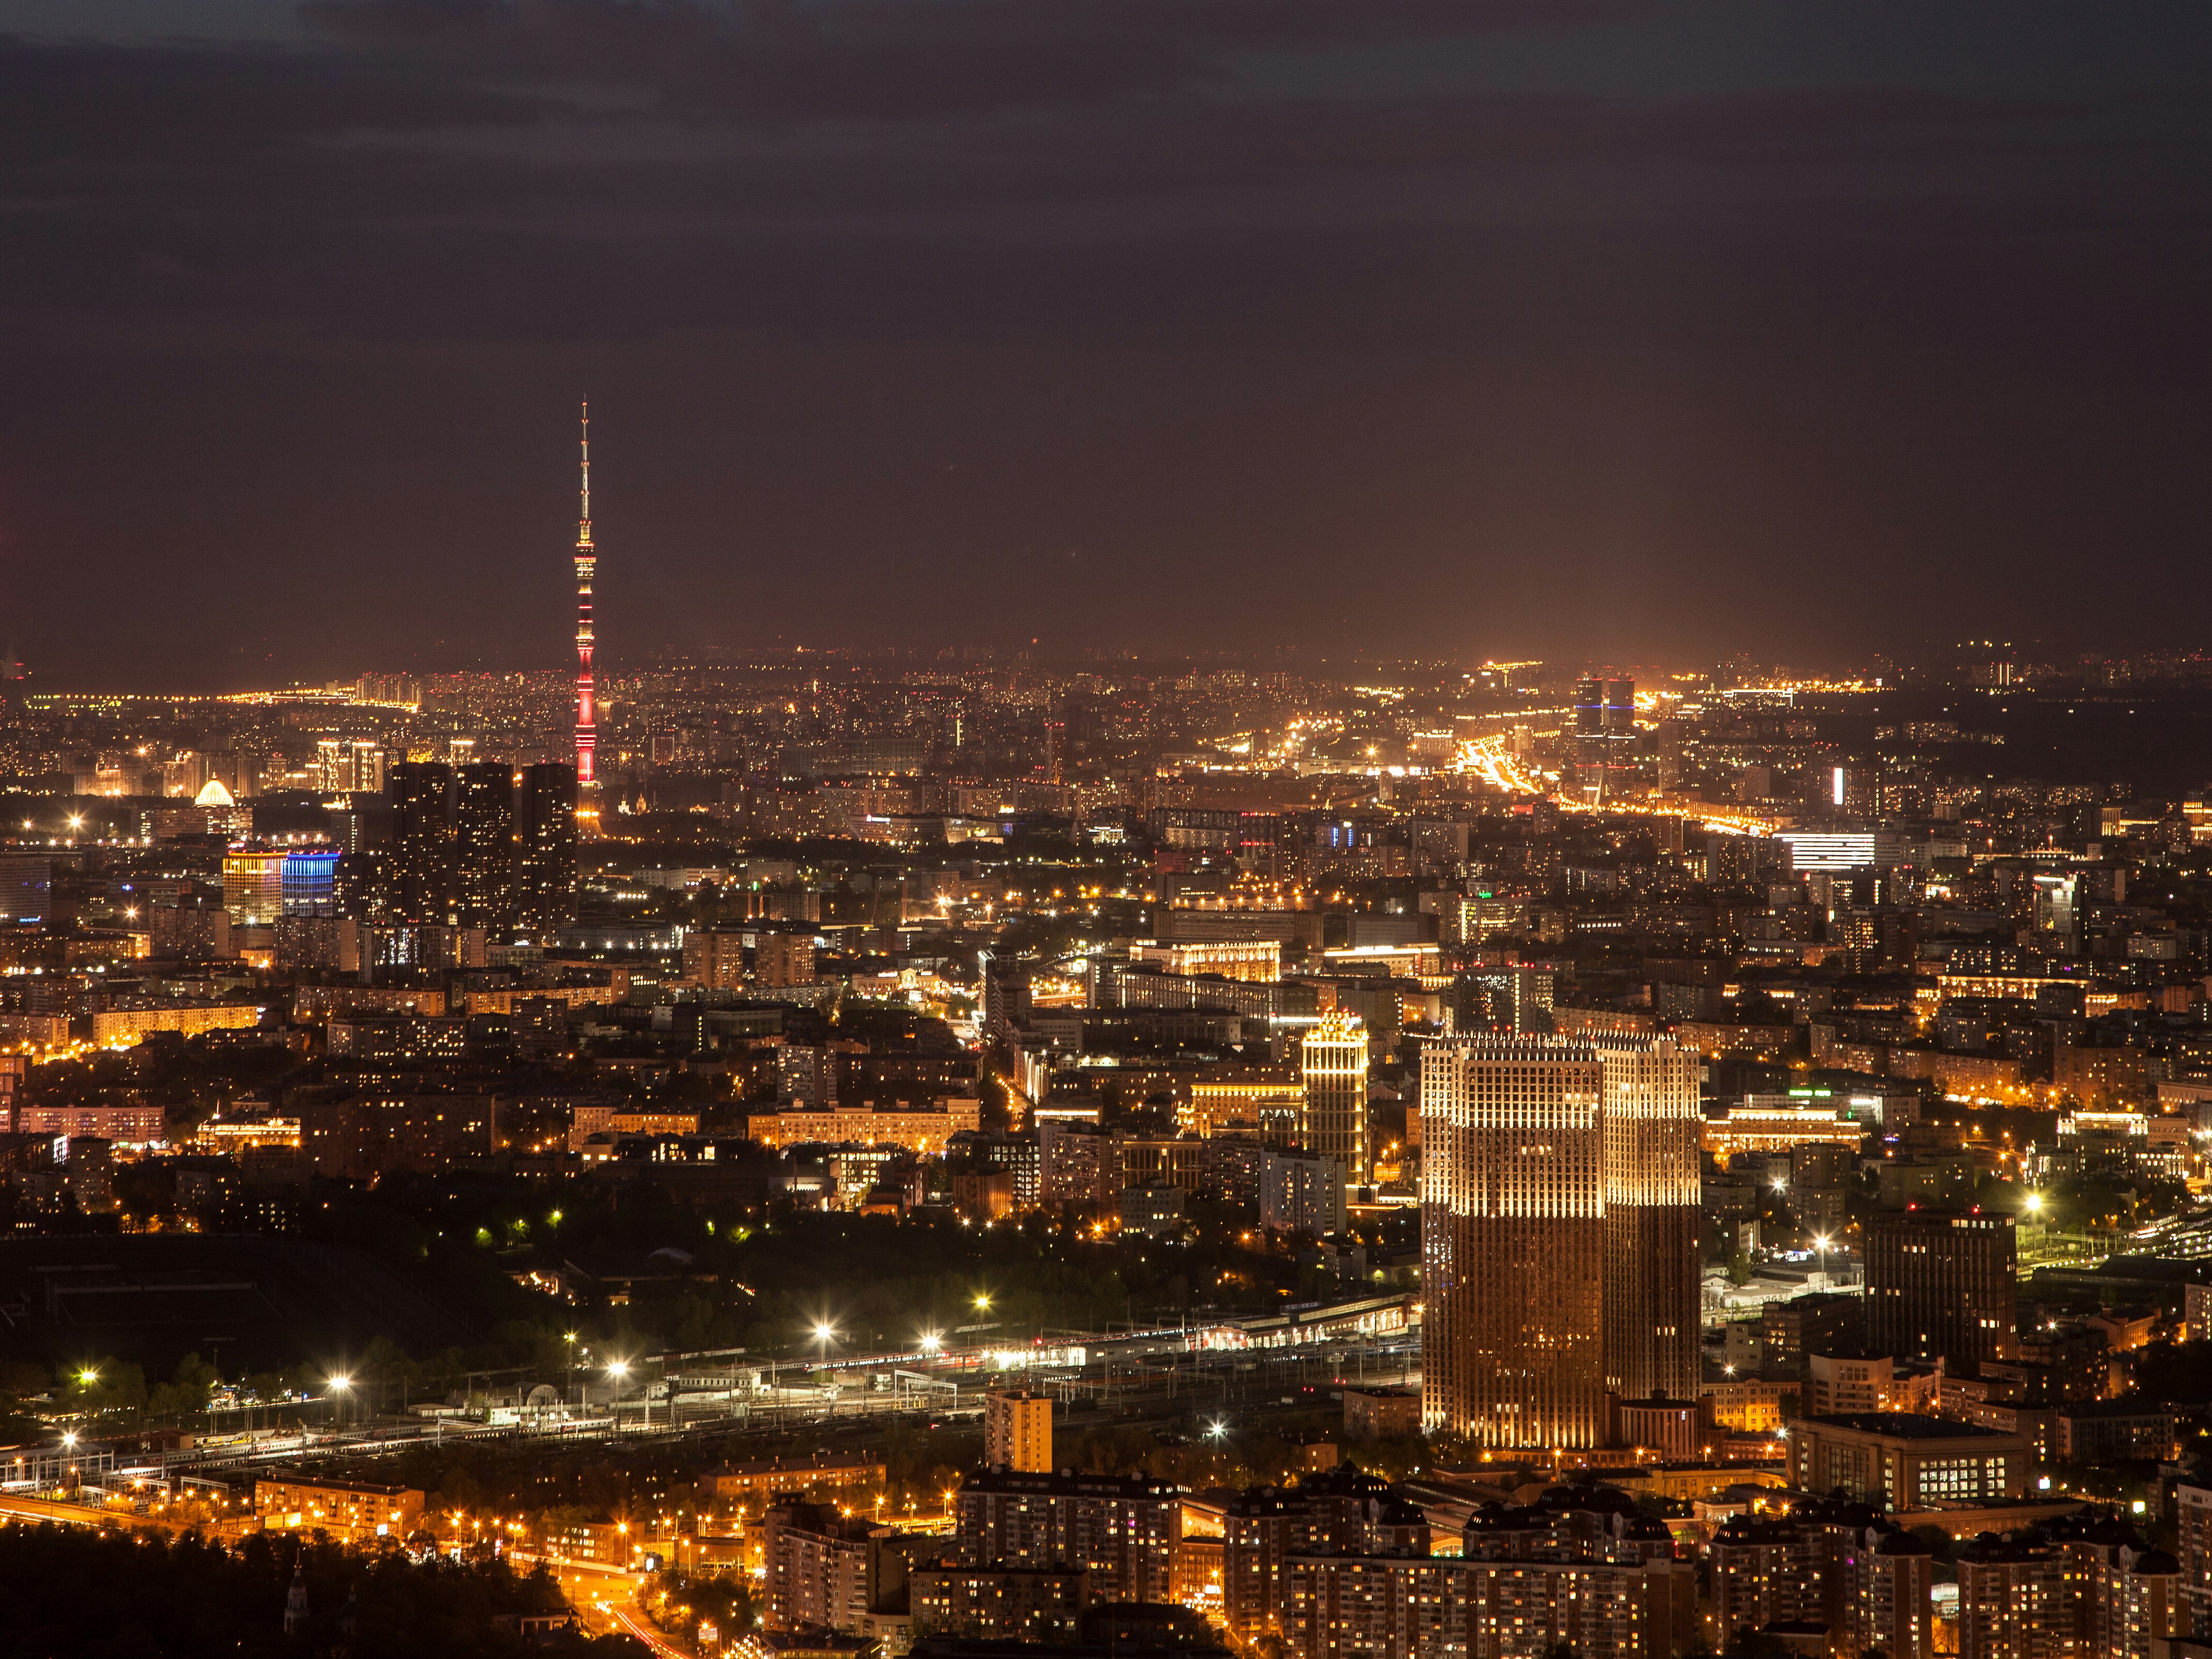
(588, 811)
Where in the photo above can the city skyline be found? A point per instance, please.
(1357, 829)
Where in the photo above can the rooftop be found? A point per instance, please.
(1905, 1425)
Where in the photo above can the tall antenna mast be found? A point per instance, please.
(586, 702)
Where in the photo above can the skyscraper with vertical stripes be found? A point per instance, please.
(1559, 1213)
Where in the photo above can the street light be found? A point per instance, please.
(931, 1342)
(339, 1386)
(982, 1303)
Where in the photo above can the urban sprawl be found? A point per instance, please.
(835, 1154)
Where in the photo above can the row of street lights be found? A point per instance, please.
(927, 1341)
(340, 1385)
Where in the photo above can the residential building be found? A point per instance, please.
(284, 1499)
(1124, 1529)
(1337, 1512)
(826, 1570)
(1839, 1568)
(420, 870)
(1301, 1192)
(545, 838)
(822, 1475)
(998, 1603)
(484, 848)
(1018, 1431)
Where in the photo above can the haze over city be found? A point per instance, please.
(1629, 332)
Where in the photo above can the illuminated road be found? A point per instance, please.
(1498, 766)
(646, 1633)
(72, 1515)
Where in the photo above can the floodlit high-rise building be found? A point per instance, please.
(484, 847)
(367, 767)
(344, 767)
(1332, 1070)
(421, 867)
(1018, 1431)
(1559, 1195)
(545, 834)
(253, 885)
(309, 881)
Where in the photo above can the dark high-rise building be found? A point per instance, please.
(1559, 1195)
(1604, 735)
(361, 886)
(1943, 1284)
(484, 847)
(27, 887)
(545, 831)
(421, 867)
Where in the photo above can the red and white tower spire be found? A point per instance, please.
(586, 565)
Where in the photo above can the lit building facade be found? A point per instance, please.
(308, 883)
(293, 1501)
(921, 1131)
(1750, 1128)
(1122, 1529)
(1018, 1431)
(1902, 1461)
(1559, 1234)
(253, 885)
(1250, 959)
(1333, 1074)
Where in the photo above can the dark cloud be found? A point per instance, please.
(1486, 326)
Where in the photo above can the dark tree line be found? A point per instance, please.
(120, 1596)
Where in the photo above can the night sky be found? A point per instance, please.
(1391, 326)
